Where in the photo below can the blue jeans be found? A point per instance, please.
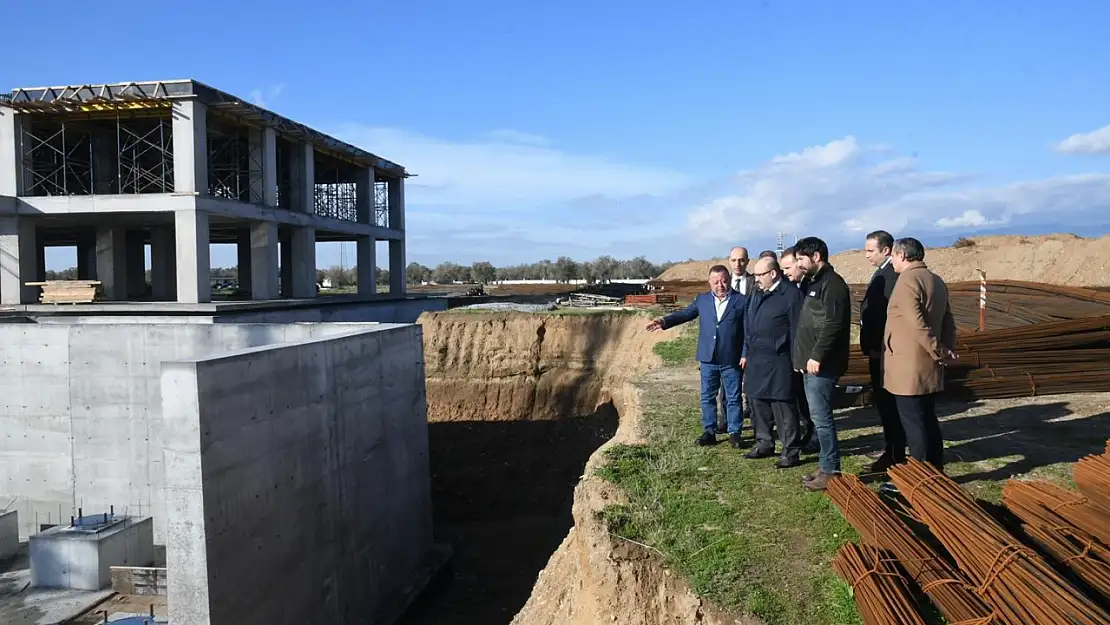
(819, 394)
(712, 378)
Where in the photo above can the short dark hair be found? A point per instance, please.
(768, 254)
(787, 252)
(808, 246)
(911, 248)
(773, 265)
(882, 237)
(720, 269)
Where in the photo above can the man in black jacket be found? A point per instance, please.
(821, 348)
(808, 433)
(872, 322)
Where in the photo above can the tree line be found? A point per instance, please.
(562, 269)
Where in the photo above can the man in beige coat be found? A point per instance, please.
(920, 336)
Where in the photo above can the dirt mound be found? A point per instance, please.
(518, 407)
(1064, 259)
(693, 270)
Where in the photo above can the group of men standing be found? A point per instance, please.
(774, 342)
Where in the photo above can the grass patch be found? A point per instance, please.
(746, 535)
(681, 349)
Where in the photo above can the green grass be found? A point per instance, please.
(747, 536)
(679, 350)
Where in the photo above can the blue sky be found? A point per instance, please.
(626, 128)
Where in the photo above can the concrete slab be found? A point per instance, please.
(22, 604)
(81, 556)
(9, 534)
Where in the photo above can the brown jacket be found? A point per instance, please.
(918, 323)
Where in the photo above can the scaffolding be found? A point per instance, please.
(234, 165)
(381, 203)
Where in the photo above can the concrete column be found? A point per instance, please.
(136, 264)
(364, 195)
(366, 252)
(397, 267)
(285, 239)
(163, 264)
(40, 259)
(243, 256)
(269, 167)
(264, 260)
(9, 153)
(111, 262)
(308, 179)
(17, 261)
(190, 147)
(194, 265)
(86, 254)
(396, 191)
(303, 256)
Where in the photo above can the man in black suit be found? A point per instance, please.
(793, 272)
(772, 317)
(872, 321)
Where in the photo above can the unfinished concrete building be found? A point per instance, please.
(178, 165)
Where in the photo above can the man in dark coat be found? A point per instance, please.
(720, 343)
(872, 325)
(793, 272)
(768, 337)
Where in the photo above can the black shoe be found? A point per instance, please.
(881, 464)
(786, 463)
(722, 429)
(734, 440)
(706, 439)
(812, 447)
(756, 453)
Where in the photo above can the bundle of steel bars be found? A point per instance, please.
(1015, 580)
(1044, 504)
(1071, 356)
(1080, 552)
(1092, 476)
(881, 527)
(881, 593)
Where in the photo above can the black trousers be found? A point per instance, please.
(806, 427)
(783, 416)
(921, 429)
(888, 412)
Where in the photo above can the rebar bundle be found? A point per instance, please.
(1092, 476)
(1014, 579)
(1044, 504)
(881, 594)
(881, 527)
(1080, 552)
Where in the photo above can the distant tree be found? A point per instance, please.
(483, 272)
(383, 276)
(565, 269)
(416, 273)
(604, 267)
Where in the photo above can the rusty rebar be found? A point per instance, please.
(1044, 504)
(880, 591)
(1092, 476)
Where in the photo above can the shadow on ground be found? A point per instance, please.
(1032, 436)
(502, 493)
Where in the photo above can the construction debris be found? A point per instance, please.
(651, 299)
(587, 300)
(68, 291)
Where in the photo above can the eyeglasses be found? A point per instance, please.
(760, 275)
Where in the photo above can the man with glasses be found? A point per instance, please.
(743, 283)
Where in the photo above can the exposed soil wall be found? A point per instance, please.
(518, 406)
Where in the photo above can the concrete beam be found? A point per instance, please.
(9, 153)
(364, 195)
(397, 267)
(264, 260)
(190, 147)
(303, 257)
(308, 179)
(366, 252)
(396, 191)
(111, 262)
(269, 167)
(18, 257)
(295, 218)
(137, 203)
(194, 265)
(163, 263)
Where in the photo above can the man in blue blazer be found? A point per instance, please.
(720, 346)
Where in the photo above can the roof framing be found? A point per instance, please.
(161, 93)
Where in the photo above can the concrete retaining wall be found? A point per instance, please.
(81, 407)
(301, 468)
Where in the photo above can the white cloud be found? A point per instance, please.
(266, 97)
(843, 189)
(1094, 142)
(515, 136)
(507, 170)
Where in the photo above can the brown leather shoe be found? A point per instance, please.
(821, 482)
(812, 476)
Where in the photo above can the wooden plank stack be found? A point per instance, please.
(68, 291)
(651, 299)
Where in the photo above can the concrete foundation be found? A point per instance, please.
(81, 556)
(81, 410)
(9, 533)
(302, 467)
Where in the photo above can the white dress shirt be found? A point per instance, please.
(720, 304)
(740, 284)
